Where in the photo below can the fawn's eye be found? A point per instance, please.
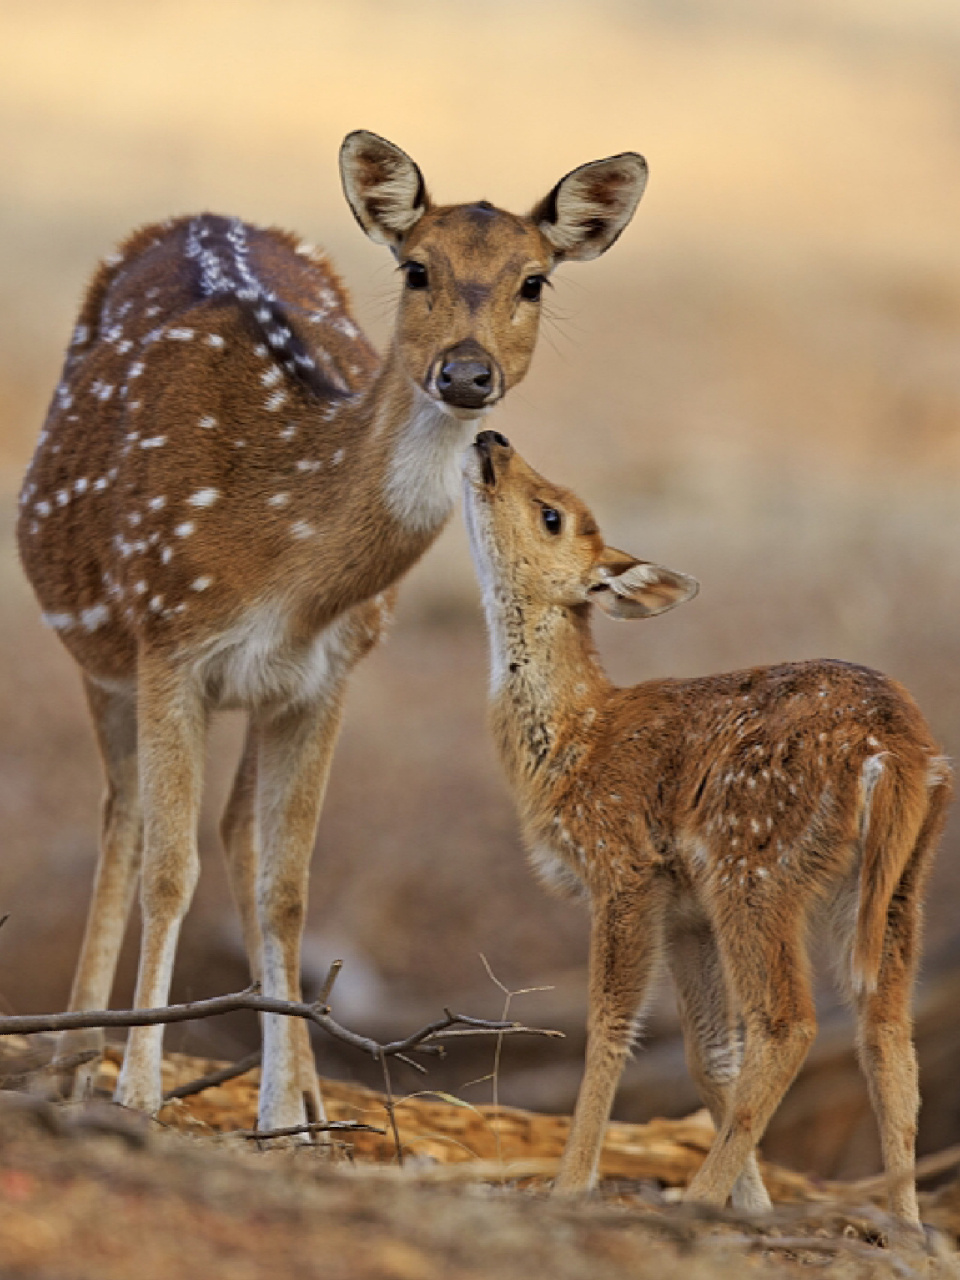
(416, 274)
(532, 287)
(552, 520)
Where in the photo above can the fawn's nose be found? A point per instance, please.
(487, 438)
(467, 377)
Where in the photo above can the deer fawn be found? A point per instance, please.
(706, 818)
(226, 491)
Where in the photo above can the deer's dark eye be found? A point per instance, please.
(552, 520)
(532, 287)
(416, 274)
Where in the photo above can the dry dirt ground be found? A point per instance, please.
(93, 1191)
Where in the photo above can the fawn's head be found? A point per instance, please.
(537, 543)
(473, 274)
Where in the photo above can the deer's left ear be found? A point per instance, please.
(626, 588)
(587, 210)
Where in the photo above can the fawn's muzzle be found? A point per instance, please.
(485, 444)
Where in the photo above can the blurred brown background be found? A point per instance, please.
(760, 384)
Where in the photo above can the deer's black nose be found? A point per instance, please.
(467, 377)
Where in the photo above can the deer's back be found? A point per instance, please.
(214, 365)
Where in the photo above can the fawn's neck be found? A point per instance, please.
(547, 685)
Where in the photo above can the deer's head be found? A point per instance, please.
(474, 274)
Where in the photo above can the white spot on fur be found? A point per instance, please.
(207, 421)
(278, 500)
(153, 442)
(94, 617)
(201, 583)
(214, 340)
(180, 335)
(157, 504)
(58, 621)
(204, 497)
(302, 529)
(273, 403)
(185, 529)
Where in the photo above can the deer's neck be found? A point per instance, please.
(547, 687)
(400, 477)
(418, 445)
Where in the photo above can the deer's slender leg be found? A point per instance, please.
(711, 1040)
(624, 952)
(767, 966)
(885, 1025)
(172, 725)
(294, 761)
(241, 840)
(115, 723)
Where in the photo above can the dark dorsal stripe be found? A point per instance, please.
(220, 249)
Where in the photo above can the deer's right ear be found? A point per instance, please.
(383, 186)
(626, 588)
(587, 210)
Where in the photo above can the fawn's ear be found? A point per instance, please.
(587, 210)
(625, 587)
(383, 186)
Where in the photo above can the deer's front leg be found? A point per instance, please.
(624, 951)
(296, 747)
(171, 734)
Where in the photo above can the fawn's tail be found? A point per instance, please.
(901, 817)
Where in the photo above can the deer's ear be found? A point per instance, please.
(587, 210)
(383, 186)
(626, 588)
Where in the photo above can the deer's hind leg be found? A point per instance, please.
(240, 833)
(711, 1038)
(766, 964)
(115, 725)
(885, 1026)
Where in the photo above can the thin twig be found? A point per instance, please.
(213, 1078)
(27, 1024)
(315, 1126)
(333, 973)
(390, 1107)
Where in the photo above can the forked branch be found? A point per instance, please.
(423, 1041)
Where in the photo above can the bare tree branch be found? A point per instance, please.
(420, 1041)
(213, 1078)
(315, 1126)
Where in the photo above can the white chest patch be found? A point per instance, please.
(256, 662)
(423, 476)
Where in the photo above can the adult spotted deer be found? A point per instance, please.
(226, 491)
(709, 819)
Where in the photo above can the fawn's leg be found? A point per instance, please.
(172, 729)
(241, 841)
(296, 747)
(884, 1039)
(711, 1039)
(624, 950)
(766, 963)
(115, 723)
